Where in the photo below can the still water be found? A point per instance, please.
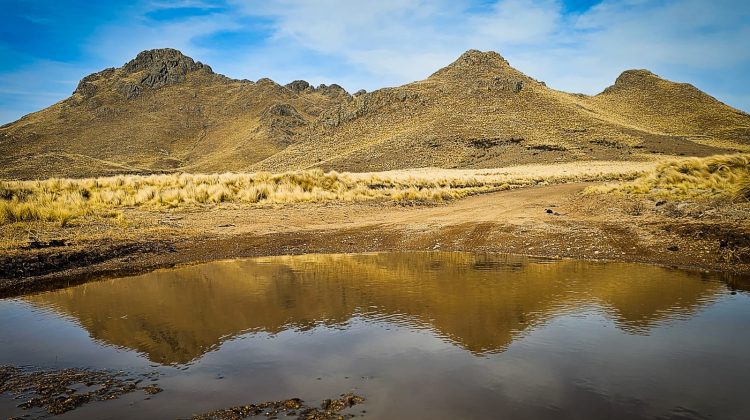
(419, 335)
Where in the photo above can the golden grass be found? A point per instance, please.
(60, 200)
(720, 176)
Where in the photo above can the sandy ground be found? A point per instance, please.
(686, 234)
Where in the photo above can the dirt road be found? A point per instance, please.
(551, 221)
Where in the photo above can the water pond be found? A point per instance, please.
(418, 335)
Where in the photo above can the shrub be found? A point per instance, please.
(709, 177)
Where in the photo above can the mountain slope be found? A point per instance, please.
(163, 111)
(159, 112)
(481, 112)
(642, 98)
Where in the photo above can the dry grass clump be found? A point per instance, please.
(43, 207)
(60, 200)
(720, 176)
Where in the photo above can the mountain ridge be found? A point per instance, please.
(164, 112)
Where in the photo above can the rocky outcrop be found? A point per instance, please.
(163, 67)
(632, 78)
(158, 68)
(644, 83)
(280, 122)
(299, 86)
(474, 61)
(151, 69)
(478, 71)
(87, 86)
(282, 110)
(479, 58)
(365, 103)
(333, 91)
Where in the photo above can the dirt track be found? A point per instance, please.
(587, 227)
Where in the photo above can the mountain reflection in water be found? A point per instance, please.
(478, 302)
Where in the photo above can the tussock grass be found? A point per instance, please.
(720, 176)
(60, 200)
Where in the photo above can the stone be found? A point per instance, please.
(51, 243)
(282, 110)
(333, 90)
(130, 90)
(86, 89)
(298, 86)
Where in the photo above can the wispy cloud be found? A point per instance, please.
(367, 44)
(35, 86)
(392, 42)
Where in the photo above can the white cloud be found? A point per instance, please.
(393, 42)
(36, 86)
(371, 44)
(118, 43)
(513, 22)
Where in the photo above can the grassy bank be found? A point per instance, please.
(721, 176)
(61, 200)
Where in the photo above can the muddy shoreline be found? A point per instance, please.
(50, 392)
(515, 222)
(143, 258)
(54, 391)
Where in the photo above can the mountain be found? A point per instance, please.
(481, 112)
(163, 111)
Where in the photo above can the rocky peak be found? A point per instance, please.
(332, 90)
(265, 81)
(477, 71)
(159, 68)
(629, 77)
(87, 88)
(298, 86)
(634, 79)
(165, 60)
(645, 82)
(480, 58)
(478, 63)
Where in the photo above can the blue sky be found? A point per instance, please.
(46, 46)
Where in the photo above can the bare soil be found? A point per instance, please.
(550, 221)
